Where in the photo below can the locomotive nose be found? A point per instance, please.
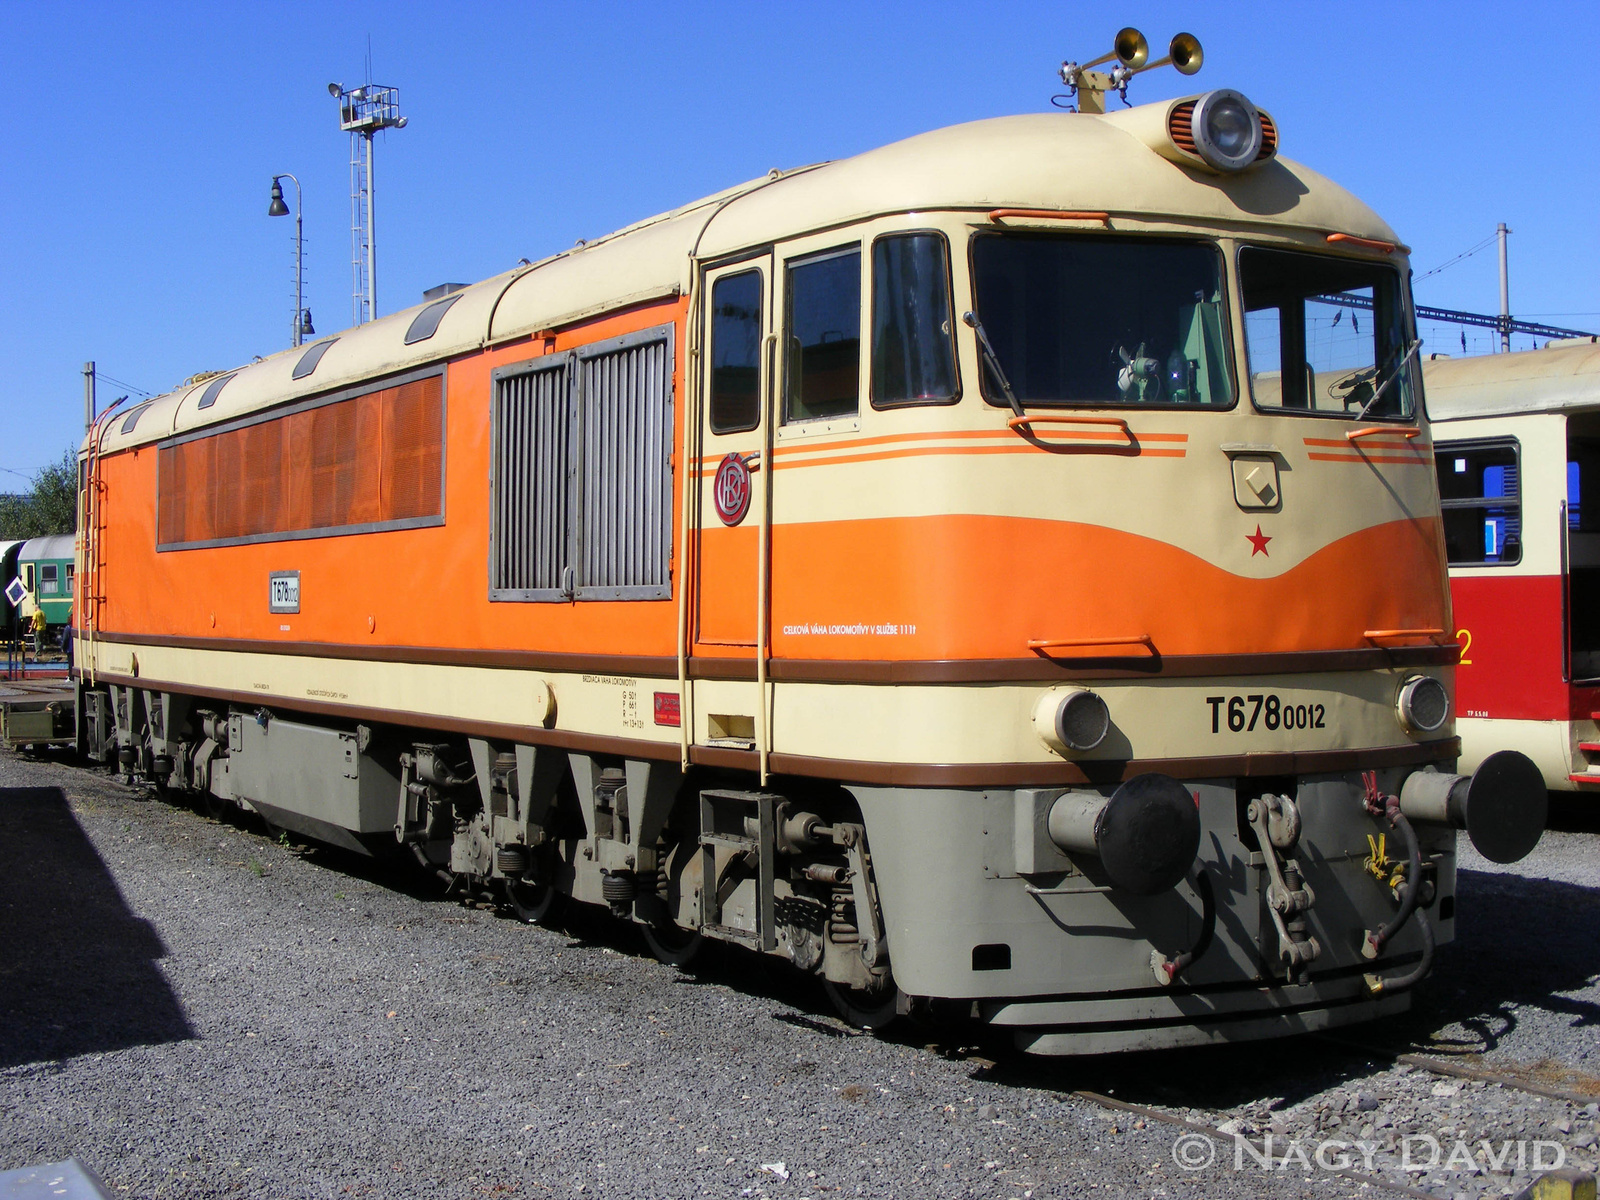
(1502, 805)
(1146, 835)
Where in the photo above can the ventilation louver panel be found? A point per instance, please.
(626, 500)
(532, 436)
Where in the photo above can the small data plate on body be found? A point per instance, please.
(283, 592)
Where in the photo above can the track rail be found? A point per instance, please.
(1440, 1066)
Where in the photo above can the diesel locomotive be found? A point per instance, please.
(962, 570)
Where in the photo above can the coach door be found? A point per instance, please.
(733, 418)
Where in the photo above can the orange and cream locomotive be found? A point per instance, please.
(953, 569)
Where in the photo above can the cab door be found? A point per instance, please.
(737, 367)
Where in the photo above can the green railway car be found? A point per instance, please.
(47, 566)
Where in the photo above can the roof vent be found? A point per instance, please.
(442, 290)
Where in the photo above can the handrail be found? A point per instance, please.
(1043, 644)
(1385, 635)
(1057, 419)
(764, 564)
(1048, 214)
(1352, 435)
(1351, 239)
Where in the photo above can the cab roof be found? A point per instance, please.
(1061, 161)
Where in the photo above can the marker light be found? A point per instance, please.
(1423, 703)
(1072, 719)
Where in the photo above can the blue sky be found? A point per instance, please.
(138, 142)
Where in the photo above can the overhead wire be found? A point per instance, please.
(1465, 254)
(121, 383)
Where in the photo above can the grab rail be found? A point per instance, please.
(1389, 635)
(1377, 430)
(1029, 419)
(1042, 645)
(1048, 214)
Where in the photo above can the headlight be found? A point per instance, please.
(1227, 130)
(1072, 719)
(1424, 704)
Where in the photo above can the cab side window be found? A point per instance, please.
(823, 310)
(913, 345)
(736, 352)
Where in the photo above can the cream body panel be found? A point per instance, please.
(865, 722)
(604, 705)
(1548, 743)
(1541, 441)
(1154, 719)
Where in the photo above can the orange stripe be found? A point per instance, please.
(947, 435)
(918, 452)
(1370, 458)
(1342, 444)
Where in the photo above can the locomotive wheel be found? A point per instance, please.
(870, 1010)
(534, 903)
(672, 944)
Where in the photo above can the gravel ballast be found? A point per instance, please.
(196, 1009)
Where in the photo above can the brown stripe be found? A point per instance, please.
(1034, 669)
(1061, 774)
(424, 722)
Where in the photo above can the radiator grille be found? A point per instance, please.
(532, 445)
(626, 502)
(581, 473)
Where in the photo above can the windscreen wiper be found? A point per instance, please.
(992, 361)
(1390, 378)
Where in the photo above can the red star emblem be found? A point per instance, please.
(1258, 541)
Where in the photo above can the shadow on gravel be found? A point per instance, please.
(1520, 944)
(77, 972)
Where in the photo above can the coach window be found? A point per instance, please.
(69, 578)
(1480, 492)
(736, 352)
(822, 305)
(49, 581)
(913, 345)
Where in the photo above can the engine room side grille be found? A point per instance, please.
(627, 499)
(581, 473)
(532, 424)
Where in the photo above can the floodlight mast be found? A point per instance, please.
(363, 112)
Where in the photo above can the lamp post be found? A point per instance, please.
(300, 326)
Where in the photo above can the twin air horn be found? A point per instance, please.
(1132, 53)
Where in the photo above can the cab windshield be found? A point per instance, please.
(1102, 321)
(1327, 335)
